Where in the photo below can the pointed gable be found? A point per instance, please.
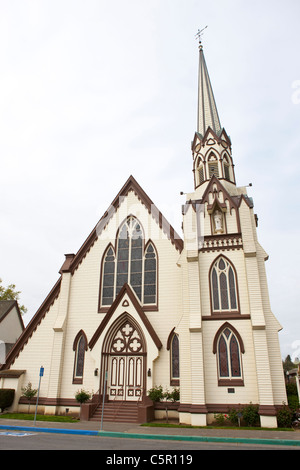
(219, 187)
(130, 185)
(126, 297)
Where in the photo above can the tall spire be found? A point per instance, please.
(207, 109)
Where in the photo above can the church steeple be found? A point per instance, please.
(207, 109)
(211, 146)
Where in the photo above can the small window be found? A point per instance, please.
(226, 172)
(213, 169)
(79, 346)
(201, 174)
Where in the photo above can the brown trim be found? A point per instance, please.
(14, 303)
(126, 289)
(11, 374)
(230, 382)
(175, 382)
(79, 379)
(265, 410)
(79, 334)
(228, 325)
(170, 339)
(191, 408)
(106, 308)
(222, 242)
(226, 316)
(130, 185)
(50, 401)
(32, 326)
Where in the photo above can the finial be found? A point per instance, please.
(199, 36)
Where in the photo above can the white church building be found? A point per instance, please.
(139, 306)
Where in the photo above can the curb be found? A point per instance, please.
(166, 437)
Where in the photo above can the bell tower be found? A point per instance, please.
(211, 147)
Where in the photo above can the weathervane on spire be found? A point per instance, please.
(199, 35)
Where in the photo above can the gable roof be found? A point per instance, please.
(126, 289)
(6, 306)
(130, 185)
(72, 261)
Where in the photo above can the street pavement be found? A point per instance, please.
(136, 431)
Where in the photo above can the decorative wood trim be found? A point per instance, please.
(130, 185)
(223, 242)
(228, 325)
(32, 326)
(125, 289)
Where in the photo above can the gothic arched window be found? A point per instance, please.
(150, 270)
(175, 375)
(79, 346)
(130, 263)
(213, 166)
(228, 347)
(173, 348)
(223, 286)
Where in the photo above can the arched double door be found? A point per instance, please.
(124, 359)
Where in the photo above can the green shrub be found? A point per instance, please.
(6, 398)
(29, 393)
(156, 393)
(220, 418)
(250, 415)
(293, 402)
(82, 396)
(232, 416)
(284, 417)
(175, 394)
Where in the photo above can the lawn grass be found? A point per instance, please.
(189, 426)
(30, 417)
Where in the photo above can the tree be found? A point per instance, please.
(288, 364)
(10, 293)
(29, 393)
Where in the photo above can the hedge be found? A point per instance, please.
(6, 398)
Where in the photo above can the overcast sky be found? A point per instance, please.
(92, 91)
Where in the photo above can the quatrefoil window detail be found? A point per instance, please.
(127, 339)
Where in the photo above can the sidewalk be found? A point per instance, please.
(136, 431)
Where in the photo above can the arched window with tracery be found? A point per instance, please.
(223, 285)
(175, 375)
(80, 347)
(173, 348)
(131, 262)
(228, 346)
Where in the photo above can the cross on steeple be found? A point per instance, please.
(199, 35)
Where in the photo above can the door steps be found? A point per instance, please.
(117, 411)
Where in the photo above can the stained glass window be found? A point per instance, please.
(229, 363)
(175, 358)
(130, 264)
(223, 286)
(150, 275)
(108, 278)
(79, 346)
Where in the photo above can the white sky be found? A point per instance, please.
(92, 91)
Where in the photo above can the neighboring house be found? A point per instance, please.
(139, 306)
(11, 326)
